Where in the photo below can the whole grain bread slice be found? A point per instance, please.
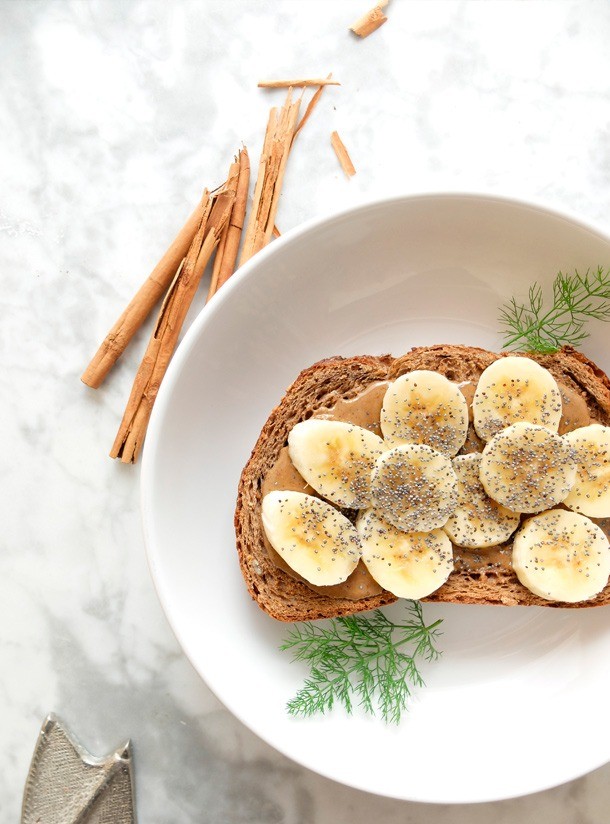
(331, 380)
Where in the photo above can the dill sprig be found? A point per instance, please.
(364, 660)
(576, 299)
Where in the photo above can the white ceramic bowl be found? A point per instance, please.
(518, 703)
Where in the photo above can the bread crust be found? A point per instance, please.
(322, 385)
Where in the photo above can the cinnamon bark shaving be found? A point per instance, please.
(370, 21)
(286, 84)
(310, 107)
(276, 148)
(342, 154)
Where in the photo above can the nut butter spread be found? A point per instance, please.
(283, 476)
(575, 412)
(467, 388)
(473, 443)
(365, 410)
(604, 524)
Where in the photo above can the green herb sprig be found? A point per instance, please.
(363, 660)
(576, 299)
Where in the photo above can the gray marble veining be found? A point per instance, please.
(113, 116)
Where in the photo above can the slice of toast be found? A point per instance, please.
(320, 387)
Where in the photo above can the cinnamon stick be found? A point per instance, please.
(286, 84)
(226, 254)
(142, 303)
(370, 21)
(276, 148)
(342, 154)
(132, 430)
(276, 232)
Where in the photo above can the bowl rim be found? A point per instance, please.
(304, 228)
(191, 336)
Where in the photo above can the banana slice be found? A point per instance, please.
(414, 487)
(527, 468)
(425, 407)
(312, 537)
(478, 521)
(336, 459)
(515, 389)
(407, 564)
(562, 556)
(590, 494)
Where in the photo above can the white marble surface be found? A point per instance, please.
(113, 115)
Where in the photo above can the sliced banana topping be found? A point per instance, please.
(336, 459)
(562, 556)
(590, 494)
(407, 564)
(515, 389)
(416, 502)
(527, 468)
(478, 521)
(312, 537)
(414, 487)
(424, 407)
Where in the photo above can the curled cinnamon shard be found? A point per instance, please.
(342, 154)
(279, 135)
(370, 21)
(304, 81)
